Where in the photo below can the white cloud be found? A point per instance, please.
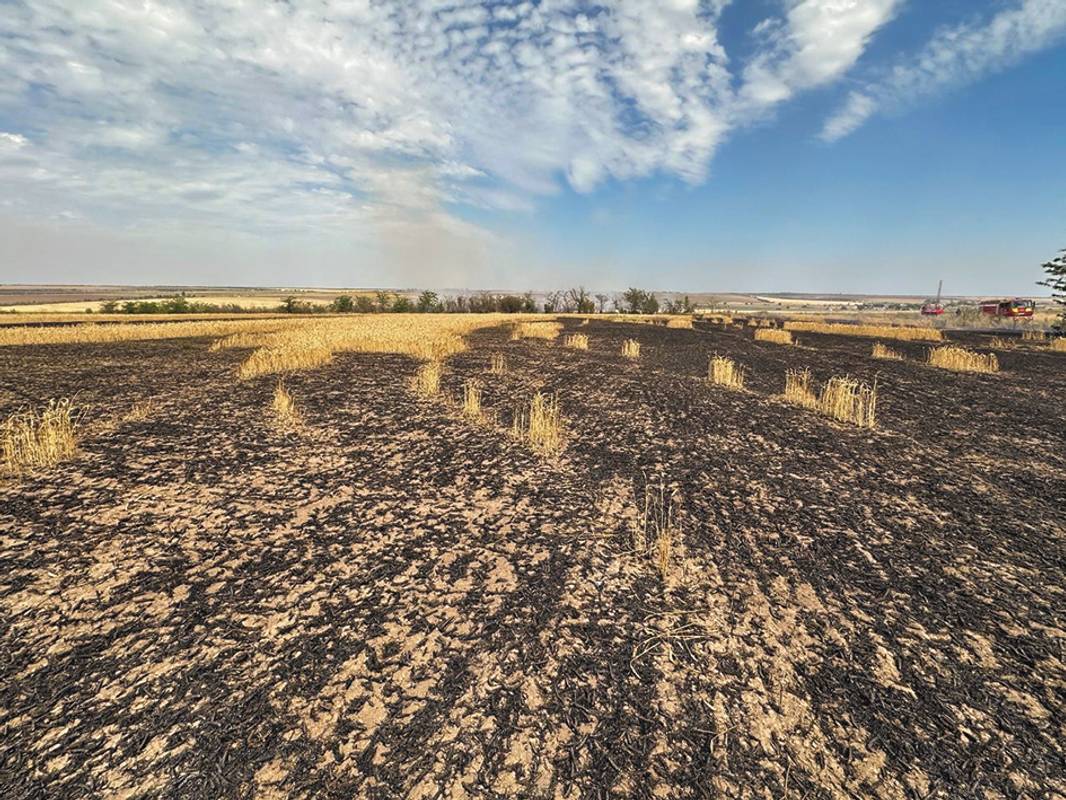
(372, 116)
(856, 110)
(954, 56)
(816, 42)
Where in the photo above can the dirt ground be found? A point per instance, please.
(396, 602)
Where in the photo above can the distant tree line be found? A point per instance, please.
(569, 301)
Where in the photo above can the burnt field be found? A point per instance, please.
(392, 599)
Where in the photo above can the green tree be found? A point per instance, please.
(634, 299)
(384, 300)
(650, 304)
(363, 304)
(1056, 281)
(402, 305)
(343, 303)
(289, 305)
(580, 300)
(428, 301)
(109, 306)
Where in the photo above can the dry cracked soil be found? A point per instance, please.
(391, 600)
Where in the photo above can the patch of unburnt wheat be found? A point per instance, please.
(32, 439)
(577, 341)
(541, 425)
(284, 407)
(536, 330)
(1059, 345)
(959, 359)
(426, 337)
(842, 398)
(426, 382)
(799, 388)
(887, 353)
(848, 400)
(679, 322)
(999, 343)
(272, 360)
(1034, 336)
(908, 334)
(725, 372)
(498, 364)
(93, 332)
(774, 335)
(631, 348)
(472, 400)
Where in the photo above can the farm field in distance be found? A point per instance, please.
(392, 588)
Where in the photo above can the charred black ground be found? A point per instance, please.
(394, 601)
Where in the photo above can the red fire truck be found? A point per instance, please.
(1015, 307)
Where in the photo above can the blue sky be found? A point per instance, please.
(767, 145)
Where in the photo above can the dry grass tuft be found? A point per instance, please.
(911, 334)
(536, 330)
(999, 343)
(842, 398)
(886, 353)
(285, 413)
(542, 425)
(631, 348)
(773, 335)
(426, 382)
(679, 322)
(848, 400)
(498, 364)
(141, 411)
(660, 530)
(725, 372)
(472, 400)
(959, 359)
(1034, 336)
(799, 388)
(33, 439)
(577, 341)
(1059, 345)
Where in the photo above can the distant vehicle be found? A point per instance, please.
(934, 308)
(1015, 307)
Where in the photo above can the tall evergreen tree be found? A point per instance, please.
(1056, 281)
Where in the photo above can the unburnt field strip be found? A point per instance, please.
(708, 592)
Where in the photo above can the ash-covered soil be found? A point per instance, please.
(394, 601)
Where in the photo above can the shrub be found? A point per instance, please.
(631, 348)
(959, 359)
